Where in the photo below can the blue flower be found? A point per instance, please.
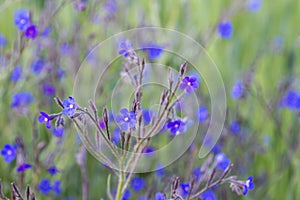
(153, 51)
(31, 32)
(197, 173)
(24, 167)
(37, 66)
(125, 48)
(237, 90)
(147, 116)
(208, 195)
(222, 161)
(291, 100)
(58, 131)
(45, 118)
(45, 186)
(48, 89)
(9, 152)
(176, 127)
(116, 136)
(21, 99)
(126, 195)
(189, 84)
(249, 185)
(60, 73)
(225, 29)
(16, 74)
(126, 119)
(56, 187)
(235, 127)
(185, 187)
(159, 196)
(202, 114)
(160, 172)
(137, 184)
(52, 170)
(2, 41)
(70, 106)
(254, 5)
(22, 19)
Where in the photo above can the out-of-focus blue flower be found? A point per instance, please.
(143, 198)
(249, 185)
(48, 89)
(147, 116)
(111, 6)
(45, 186)
(222, 161)
(125, 48)
(126, 119)
(153, 51)
(225, 29)
(149, 150)
(46, 31)
(235, 127)
(160, 172)
(185, 187)
(2, 41)
(202, 114)
(16, 74)
(254, 5)
(37, 66)
(45, 118)
(56, 187)
(24, 167)
(116, 135)
(68, 198)
(197, 173)
(189, 84)
(21, 99)
(52, 170)
(160, 196)
(70, 106)
(208, 195)
(137, 184)
(9, 152)
(60, 73)
(126, 195)
(291, 100)
(22, 19)
(31, 32)
(58, 131)
(176, 127)
(237, 90)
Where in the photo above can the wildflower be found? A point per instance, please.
(116, 135)
(16, 74)
(52, 170)
(153, 51)
(237, 90)
(235, 127)
(254, 5)
(111, 6)
(225, 29)
(70, 106)
(176, 127)
(291, 100)
(147, 115)
(208, 195)
(22, 19)
(58, 131)
(202, 114)
(249, 185)
(48, 89)
(31, 32)
(222, 161)
(2, 41)
(189, 83)
(137, 184)
(185, 187)
(197, 173)
(37, 66)
(126, 195)
(126, 119)
(56, 187)
(160, 196)
(46, 31)
(45, 186)
(9, 152)
(126, 48)
(21, 99)
(160, 172)
(45, 118)
(24, 167)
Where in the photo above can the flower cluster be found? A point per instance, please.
(22, 20)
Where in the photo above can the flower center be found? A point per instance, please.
(71, 106)
(9, 152)
(126, 119)
(189, 83)
(176, 125)
(22, 21)
(46, 119)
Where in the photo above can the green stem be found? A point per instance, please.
(120, 185)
